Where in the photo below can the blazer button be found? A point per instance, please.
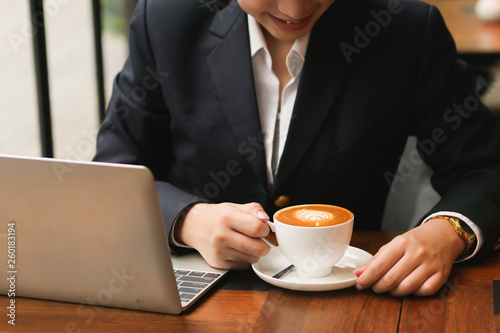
(282, 201)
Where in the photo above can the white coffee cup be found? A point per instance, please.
(313, 237)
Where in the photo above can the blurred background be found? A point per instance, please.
(71, 65)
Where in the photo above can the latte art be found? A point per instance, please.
(312, 237)
(315, 216)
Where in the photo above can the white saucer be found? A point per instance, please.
(341, 277)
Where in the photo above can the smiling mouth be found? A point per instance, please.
(291, 24)
(292, 21)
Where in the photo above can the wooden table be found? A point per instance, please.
(464, 304)
(471, 35)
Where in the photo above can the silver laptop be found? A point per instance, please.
(91, 233)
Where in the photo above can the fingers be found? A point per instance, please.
(377, 267)
(249, 222)
(227, 235)
(417, 262)
(229, 259)
(409, 284)
(363, 268)
(235, 251)
(431, 285)
(253, 248)
(256, 210)
(403, 278)
(419, 281)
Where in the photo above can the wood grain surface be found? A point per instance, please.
(464, 304)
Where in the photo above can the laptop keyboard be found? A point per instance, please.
(193, 283)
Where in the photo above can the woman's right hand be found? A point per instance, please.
(227, 235)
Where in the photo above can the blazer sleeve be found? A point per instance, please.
(458, 136)
(136, 129)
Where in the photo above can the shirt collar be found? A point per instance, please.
(258, 42)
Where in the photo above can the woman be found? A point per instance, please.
(266, 103)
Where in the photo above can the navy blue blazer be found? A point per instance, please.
(376, 72)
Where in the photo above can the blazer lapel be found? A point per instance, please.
(325, 72)
(231, 68)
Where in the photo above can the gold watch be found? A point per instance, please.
(463, 231)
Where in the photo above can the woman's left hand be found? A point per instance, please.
(418, 261)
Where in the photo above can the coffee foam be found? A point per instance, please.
(314, 215)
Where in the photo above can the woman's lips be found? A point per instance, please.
(290, 24)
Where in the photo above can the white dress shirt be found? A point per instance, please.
(267, 89)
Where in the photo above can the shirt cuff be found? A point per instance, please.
(171, 238)
(472, 225)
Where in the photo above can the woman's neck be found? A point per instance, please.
(279, 50)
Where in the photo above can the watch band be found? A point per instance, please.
(463, 231)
